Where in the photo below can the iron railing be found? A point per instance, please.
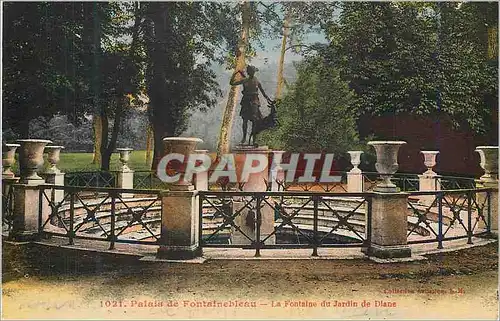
(309, 219)
(448, 215)
(113, 217)
(317, 186)
(91, 179)
(241, 212)
(148, 180)
(7, 205)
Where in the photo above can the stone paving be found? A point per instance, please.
(148, 252)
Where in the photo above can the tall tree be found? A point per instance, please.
(182, 40)
(229, 110)
(281, 63)
(44, 69)
(121, 77)
(316, 113)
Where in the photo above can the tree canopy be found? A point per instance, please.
(419, 58)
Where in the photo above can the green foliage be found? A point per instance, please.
(316, 114)
(65, 57)
(181, 41)
(420, 58)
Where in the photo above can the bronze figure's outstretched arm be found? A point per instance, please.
(263, 93)
(234, 82)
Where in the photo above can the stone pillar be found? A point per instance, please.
(180, 209)
(179, 226)
(256, 183)
(494, 205)
(53, 175)
(277, 174)
(389, 215)
(428, 181)
(489, 162)
(125, 174)
(201, 179)
(26, 194)
(355, 180)
(389, 226)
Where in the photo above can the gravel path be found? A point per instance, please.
(40, 283)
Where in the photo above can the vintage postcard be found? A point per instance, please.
(249, 160)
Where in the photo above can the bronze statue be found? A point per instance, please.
(250, 103)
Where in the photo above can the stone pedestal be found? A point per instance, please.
(489, 162)
(52, 174)
(256, 183)
(179, 226)
(125, 174)
(355, 181)
(26, 209)
(494, 205)
(126, 181)
(246, 221)
(389, 226)
(428, 183)
(58, 180)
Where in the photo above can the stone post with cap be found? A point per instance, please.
(26, 193)
(389, 215)
(180, 213)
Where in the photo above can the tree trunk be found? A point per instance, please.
(492, 42)
(110, 147)
(286, 25)
(97, 125)
(156, 31)
(160, 131)
(227, 118)
(149, 144)
(98, 121)
(104, 140)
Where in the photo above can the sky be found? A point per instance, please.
(272, 50)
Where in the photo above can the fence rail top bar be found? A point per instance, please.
(94, 189)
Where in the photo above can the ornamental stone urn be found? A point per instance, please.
(489, 162)
(355, 160)
(53, 157)
(184, 146)
(31, 158)
(387, 163)
(429, 161)
(8, 159)
(124, 157)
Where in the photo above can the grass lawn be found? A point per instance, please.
(81, 162)
(72, 162)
